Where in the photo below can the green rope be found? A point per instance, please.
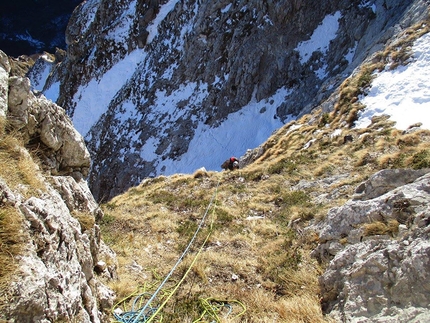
(213, 307)
(147, 313)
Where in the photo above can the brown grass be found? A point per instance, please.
(257, 223)
(17, 167)
(380, 228)
(258, 252)
(12, 242)
(86, 220)
(151, 234)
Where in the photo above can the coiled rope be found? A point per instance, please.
(147, 313)
(212, 308)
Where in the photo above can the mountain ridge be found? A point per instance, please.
(323, 222)
(196, 64)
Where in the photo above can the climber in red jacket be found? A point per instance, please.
(232, 163)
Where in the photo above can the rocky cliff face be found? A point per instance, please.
(197, 62)
(377, 250)
(55, 278)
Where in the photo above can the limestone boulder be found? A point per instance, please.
(377, 251)
(47, 129)
(386, 180)
(380, 281)
(56, 280)
(4, 82)
(404, 204)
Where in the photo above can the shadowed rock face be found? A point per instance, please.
(28, 26)
(226, 53)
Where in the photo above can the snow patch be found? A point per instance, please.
(94, 98)
(52, 92)
(349, 57)
(164, 11)
(404, 93)
(254, 123)
(226, 8)
(321, 37)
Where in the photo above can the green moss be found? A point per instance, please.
(421, 159)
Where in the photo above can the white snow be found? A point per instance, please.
(164, 11)
(245, 129)
(321, 73)
(403, 93)
(336, 133)
(94, 98)
(226, 8)
(368, 4)
(124, 23)
(321, 37)
(38, 79)
(350, 56)
(90, 9)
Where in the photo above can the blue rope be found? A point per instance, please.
(146, 311)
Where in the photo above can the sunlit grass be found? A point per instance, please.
(258, 251)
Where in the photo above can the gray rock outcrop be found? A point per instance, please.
(377, 251)
(4, 80)
(45, 127)
(56, 278)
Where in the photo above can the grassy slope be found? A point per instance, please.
(258, 251)
(258, 221)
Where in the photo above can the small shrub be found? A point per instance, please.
(164, 197)
(223, 216)
(86, 220)
(187, 228)
(306, 215)
(380, 228)
(284, 165)
(192, 202)
(366, 77)
(408, 141)
(325, 169)
(421, 159)
(295, 198)
(325, 119)
(365, 159)
(254, 176)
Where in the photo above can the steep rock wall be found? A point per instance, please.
(55, 280)
(207, 59)
(376, 275)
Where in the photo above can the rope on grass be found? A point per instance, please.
(148, 312)
(213, 308)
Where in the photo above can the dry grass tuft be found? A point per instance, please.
(300, 309)
(17, 167)
(380, 228)
(200, 173)
(86, 220)
(12, 242)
